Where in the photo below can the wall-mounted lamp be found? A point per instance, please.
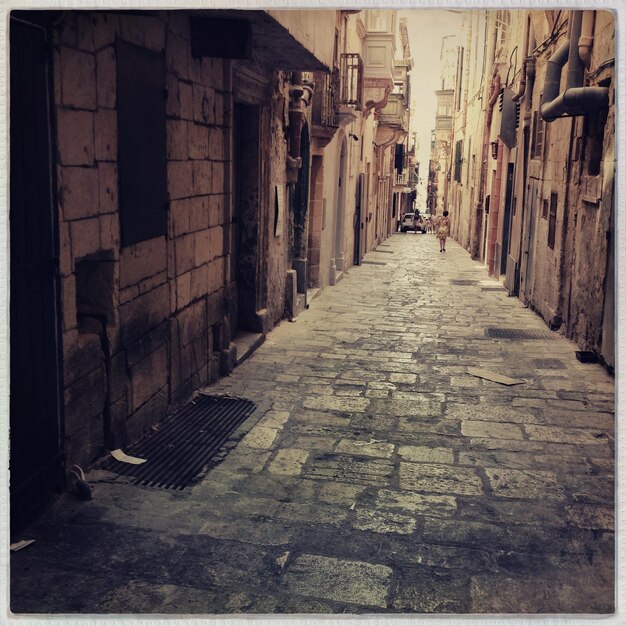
(494, 149)
(353, 136)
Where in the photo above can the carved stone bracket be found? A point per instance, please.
(377, 105)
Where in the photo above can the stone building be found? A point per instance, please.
(441, 136)
(533, 195)
(165, 209)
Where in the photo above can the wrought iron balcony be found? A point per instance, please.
(325, 110)
(351, 80)
(402, 178)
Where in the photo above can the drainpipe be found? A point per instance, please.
(585, 42)
(575, 100)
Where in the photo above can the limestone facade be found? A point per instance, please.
(531, 197)
(255, 207)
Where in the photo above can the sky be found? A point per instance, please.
(426, 27)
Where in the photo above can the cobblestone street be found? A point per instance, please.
(377, 475)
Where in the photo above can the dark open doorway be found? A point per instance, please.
(35, 413)
(246, 219)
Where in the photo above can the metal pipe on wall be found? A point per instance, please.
(576, 99)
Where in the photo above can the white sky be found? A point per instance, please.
(426, 27)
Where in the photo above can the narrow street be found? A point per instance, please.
(377, 475)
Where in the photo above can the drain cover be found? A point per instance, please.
(373, 263)
(494, 289)
(185, 444)
(548, 364)
(463, 282)
(516, 333)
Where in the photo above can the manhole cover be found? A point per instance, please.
(184, 445)
(548, 364)
(499, 288)
(516, 333)
(463, 282)
(373, 263)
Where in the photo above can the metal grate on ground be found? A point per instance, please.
(185, 445)
(517, 334)
(463, 282)
(373, 263)
(548, 364)
(499, 288)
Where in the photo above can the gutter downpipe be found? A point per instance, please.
(585, 42)
(575, 100)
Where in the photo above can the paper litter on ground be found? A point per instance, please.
(19, 545)
(118, 455)
(494, 377)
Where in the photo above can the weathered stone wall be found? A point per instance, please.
(569, 280)
(165, 294)
(566, 282)
(592, 198)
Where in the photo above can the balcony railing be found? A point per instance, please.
(352, 80)
(326, 99)
(402, 178)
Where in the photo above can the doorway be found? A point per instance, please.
(245, 226)
(339, 259)
(358, 223)
(526, 270)
(508, 213)
(35, 386)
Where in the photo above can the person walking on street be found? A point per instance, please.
(435, 223)
(416, 221)
(443, 228)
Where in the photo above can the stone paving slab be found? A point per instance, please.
(379, 477)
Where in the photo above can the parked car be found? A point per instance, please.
(408, 223)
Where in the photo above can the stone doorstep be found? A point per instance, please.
(312, 293)
(246, 343)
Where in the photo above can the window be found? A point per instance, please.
(593, 139)
(552, 220)
(458, 160)
(142, 162)
(503, 19)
